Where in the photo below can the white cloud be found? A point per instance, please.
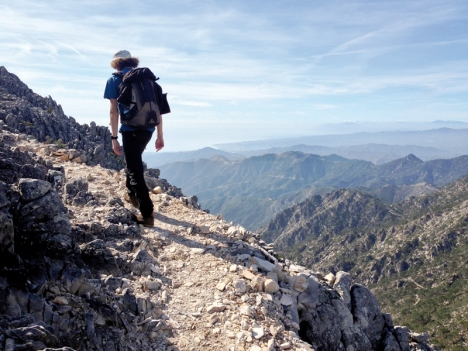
(249, 56)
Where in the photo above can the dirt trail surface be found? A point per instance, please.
(79, 274)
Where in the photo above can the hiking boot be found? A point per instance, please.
(146, 221)
(130, 198)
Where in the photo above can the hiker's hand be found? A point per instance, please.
(159, 144)
(116, 147)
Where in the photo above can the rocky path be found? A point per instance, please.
(192, 282)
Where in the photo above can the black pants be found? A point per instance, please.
(134, 143)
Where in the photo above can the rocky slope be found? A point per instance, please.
(26, 112)
(413, 254)
(77, 274)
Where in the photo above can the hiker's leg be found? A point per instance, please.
(134, 144)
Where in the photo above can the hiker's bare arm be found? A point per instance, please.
(114, 122)
(159, 144)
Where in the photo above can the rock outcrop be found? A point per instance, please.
(77, 274)
(23, 111)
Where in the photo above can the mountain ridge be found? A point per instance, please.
(396, 249)
(272, 179)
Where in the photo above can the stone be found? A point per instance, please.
(271, 286)
(257, 333)
(402, 335)
(60, 300)
(100, 258)
(285, 346)
(7, 232)
(240, 285)
(273, 276)
(204, 229)
(420, 337)
(73, 278)
(221, 286)
(233, 268)
(142, 263)
(295, 268)
(367, 313)
(32, 189)
(343, 285)
(286, 300)
(248, 274)
(262, 264)
(257, 283)
(157, 190)
(216, 307)
(197, 250)
(300, 283)
(389, 343)
(245, 310)
(152, 285)
(330, 278)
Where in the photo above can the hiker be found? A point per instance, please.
(134, 140)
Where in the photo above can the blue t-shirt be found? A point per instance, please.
(112, 92)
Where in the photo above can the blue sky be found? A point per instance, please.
(248, 70)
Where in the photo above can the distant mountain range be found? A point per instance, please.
(372, 127)
(252, 190)
(413, 254)
(378, 148)
(446, 139)
(375, 153)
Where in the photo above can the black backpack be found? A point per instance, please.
(141, 101)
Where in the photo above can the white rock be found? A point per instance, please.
(255, 348)
(221, 286)
(233, 268)
(216, 307)
(157, 190)
(59, 300)
(286, 300)
(232, 230)
(197, 250)
(271, 345)
(295, 268)
(257, 333)
(285, 346)
(245, 310)
(330, 278)
(262, 264)
(248, 274)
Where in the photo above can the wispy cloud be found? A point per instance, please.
(212, 56)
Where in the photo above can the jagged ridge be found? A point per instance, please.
(23, 111)
(396, 249)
